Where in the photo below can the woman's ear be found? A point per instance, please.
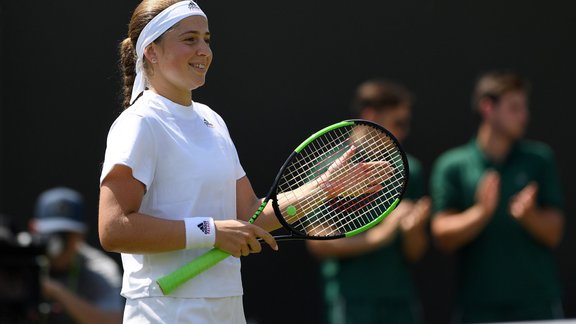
(150, 53)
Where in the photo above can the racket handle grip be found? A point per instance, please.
(190, 270)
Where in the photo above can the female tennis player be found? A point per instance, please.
(172, 185)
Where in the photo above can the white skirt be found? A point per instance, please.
(227, 310)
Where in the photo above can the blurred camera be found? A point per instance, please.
(24, 261)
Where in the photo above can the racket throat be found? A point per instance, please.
(258, 211)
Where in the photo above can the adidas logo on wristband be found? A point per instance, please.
(204, 227)
(200, 232)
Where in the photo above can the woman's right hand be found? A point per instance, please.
(240, 238)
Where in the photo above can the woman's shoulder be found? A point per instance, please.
(136, 117)
(208, 113)
(143, 109)
(204, 109)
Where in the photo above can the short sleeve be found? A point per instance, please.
(416, 186)
(131, 143)
(550, 188)
(238, 169)
(444, 188)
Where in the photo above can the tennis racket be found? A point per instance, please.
(341, 181)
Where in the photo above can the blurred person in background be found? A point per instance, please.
(83, 285)
(367, 277)
(498, 207)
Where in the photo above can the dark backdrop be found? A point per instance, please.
(281, 71)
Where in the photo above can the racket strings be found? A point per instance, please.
(373, 206)
(325, 226)
(326, 229)
(321, 162)
(329, 225)
(326, 162)
(338, 215)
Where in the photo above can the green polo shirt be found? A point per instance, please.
(382, 273)
(505, 263)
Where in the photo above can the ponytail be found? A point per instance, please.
(143, 13)
(128, 68)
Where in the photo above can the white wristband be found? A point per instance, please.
(200, 232)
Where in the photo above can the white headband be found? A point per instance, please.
(154, 29)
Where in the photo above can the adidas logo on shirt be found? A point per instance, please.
(207, 123)
(204, 227)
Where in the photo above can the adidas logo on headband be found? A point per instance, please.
(192, 5)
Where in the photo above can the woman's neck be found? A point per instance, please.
(183, 98)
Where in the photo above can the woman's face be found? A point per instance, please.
(181, 59)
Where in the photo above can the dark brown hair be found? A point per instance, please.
(494, 84)
(389, 95)
(146, 11)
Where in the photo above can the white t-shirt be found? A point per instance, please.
(189, 165)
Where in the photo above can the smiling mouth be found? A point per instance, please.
(199, 66)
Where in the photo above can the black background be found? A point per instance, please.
(281, 71)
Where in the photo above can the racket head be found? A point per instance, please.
(352, 212)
